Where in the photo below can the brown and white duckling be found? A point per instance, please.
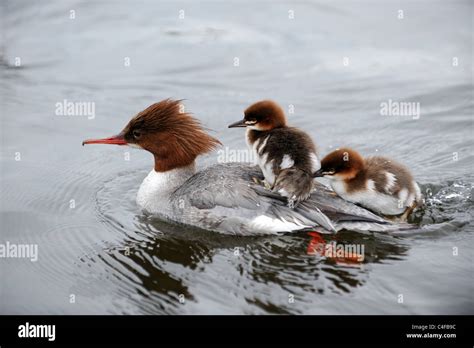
(286, 155)
(377, 183)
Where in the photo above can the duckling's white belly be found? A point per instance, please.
(262, 161)
(267, 169)
(370, 198)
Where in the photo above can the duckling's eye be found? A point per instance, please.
(136, 133)
(250, 122)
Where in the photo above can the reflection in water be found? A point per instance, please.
(341, 254)
(162, 265)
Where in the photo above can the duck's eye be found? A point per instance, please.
(250, 122)
(136, 133)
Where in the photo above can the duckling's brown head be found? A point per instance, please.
(341, 164)
(264, 115)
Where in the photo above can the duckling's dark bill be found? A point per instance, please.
(240, 123)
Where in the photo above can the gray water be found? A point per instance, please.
(334, 63)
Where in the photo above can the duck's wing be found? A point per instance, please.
(342, 214)
(223, 198)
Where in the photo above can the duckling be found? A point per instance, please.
(376, 183)
(286, 155)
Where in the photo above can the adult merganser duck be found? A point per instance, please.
(286, 155)
(223, 197)
(377, 183)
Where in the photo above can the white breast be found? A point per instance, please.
(156, 189)
(262, 160)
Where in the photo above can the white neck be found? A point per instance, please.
(156, 189)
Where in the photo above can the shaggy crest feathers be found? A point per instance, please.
(173, 136)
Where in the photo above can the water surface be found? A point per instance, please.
(333, 64)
